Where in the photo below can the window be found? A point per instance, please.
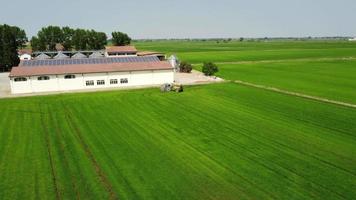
(89, 83)
(43, 78)
(69, 76)
(100, 82)
(113, 81)
(124, 81)
(20, 79)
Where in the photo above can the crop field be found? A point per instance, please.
(217, 141)
(335, 79)
(324, 69)
(199, 52)
(221, 141)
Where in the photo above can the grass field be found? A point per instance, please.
(334, 79)
(221, 141)
(199, 52)
(325, 68)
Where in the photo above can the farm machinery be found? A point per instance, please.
(168, 87)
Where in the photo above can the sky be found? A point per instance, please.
(154, 19)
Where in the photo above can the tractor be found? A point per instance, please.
(168, 87)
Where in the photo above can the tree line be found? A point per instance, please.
(11, 39)
(79, 39)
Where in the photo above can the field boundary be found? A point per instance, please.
(282, 60)
(273, 89)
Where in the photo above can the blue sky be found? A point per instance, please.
(188, 18)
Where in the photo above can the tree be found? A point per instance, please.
(11, 39)
(210, 69)
(96, 40)
(67, 38)
(120, 39)
(37, 44)
(185, 67)
(50, 36)
(80, 39)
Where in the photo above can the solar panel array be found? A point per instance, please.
(83, 61)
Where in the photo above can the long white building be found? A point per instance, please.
(50, 75)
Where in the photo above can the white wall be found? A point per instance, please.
(70, 84)
(21, 87)
(58, 83)
(44, 85)
(25, 57)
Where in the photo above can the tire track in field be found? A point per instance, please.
(217, 163)
(284, 60)
(49, 151)
(99, 172)
(60, 137)
(305, 96)
(283, 167)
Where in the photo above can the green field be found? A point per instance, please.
(325, 68)
(219, 141)
(199, 52)
(334, 79)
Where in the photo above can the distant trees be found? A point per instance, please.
(79, 39)
(185, 67)
(210, 69)
(11, 39)
(120, 39)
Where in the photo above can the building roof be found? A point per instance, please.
(121, 49)
(24, 51)
(149, 53)
(42, 56)
(89, 68)
(79, 56)
(106, 60)
(96, 55)
(59, 47)
(61, 55)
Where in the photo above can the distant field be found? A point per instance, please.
(198, 52)
(323, 68)
(221, 141)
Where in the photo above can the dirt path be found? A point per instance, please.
(340, 103)
(284, 60)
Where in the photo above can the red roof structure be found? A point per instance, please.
(25, 51)
(121, 49)
(89, 68)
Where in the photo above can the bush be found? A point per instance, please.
(185, 67)
(210, 69)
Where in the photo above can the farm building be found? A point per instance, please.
(117, 51)
(25, 54)
(63, 73)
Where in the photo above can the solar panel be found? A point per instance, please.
(55, 62)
